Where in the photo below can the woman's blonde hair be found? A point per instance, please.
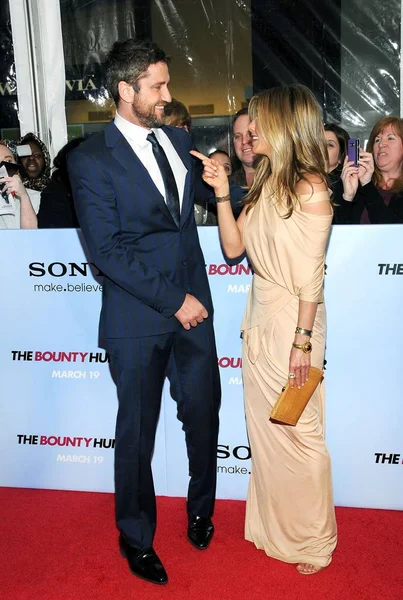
(11, 146)
(289, 120)
(397, 125)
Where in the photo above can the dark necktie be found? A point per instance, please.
(171, 190)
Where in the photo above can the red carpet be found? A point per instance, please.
(63, 546)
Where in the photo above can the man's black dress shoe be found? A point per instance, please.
(143, 563)
(200, 532)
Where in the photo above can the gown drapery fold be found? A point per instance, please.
(290, 511)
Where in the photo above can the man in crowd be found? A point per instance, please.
(133, 189)
(242, 141)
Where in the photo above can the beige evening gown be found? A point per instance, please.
(289, 511)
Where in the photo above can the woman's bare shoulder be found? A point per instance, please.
(311, 183)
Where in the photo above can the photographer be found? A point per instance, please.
(375, 187)
(18, 206)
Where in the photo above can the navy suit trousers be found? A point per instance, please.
(139, 366)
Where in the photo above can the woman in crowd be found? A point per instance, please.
(375, 188)
(224, 159)
(35, 166)
(336, 140)
(284, 228)
(18, 205)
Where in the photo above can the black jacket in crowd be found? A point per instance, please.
(368, 197)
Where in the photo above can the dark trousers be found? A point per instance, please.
(139, 367)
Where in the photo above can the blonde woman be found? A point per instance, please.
(284, 228)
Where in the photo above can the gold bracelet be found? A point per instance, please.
(303, 331)
(226, 198)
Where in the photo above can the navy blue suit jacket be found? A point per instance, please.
(149, 264)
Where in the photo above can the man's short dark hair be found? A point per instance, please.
(240, 113)
(128, 61)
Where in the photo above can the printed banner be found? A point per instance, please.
(58, 401)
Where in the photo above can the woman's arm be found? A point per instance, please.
(347, 196)
(230, 230)
(28, 217)
(14, 186)
(349, 178)
(300, 361)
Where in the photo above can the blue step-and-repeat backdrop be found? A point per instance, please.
(58, 402)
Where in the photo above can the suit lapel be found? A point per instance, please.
(122, 152)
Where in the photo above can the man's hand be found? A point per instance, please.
(191, 312)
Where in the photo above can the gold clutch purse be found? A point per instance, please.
(292, 401)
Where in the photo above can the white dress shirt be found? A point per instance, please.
(137, 138)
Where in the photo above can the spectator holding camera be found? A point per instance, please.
(375, 187)
(18, 206)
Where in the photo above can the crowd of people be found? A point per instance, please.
(370, 193)
(34, 195)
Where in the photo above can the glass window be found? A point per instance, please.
(370, 63)
(347, 52)
(89, 30)
(9, 124)
(210, 48)
(211, 70)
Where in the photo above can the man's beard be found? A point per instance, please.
(147, 119)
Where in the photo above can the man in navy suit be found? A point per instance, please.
(133, 187)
